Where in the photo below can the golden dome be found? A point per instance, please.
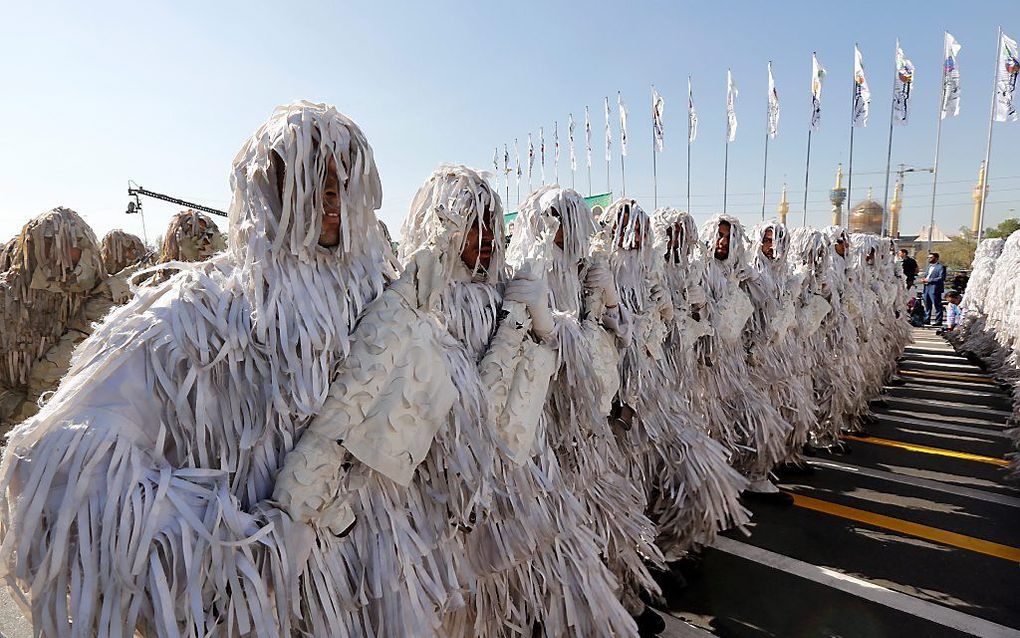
(866, 217)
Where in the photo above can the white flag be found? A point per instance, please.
(622, 108)
(862, 94)
(901, 89)
(658, 104)
(609, 135)
(773, 106)
(541, 150)
(556, 152)
(950, 78)
(531, 159)
(517, 160)
(570, 141)
(817, 76)
(506, 163)
(587, 135)
(1005, 80)
(495, 164)
(731, 113)
(692, 115)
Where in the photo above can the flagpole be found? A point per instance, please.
(988, 146)
(655, 173)
(807, 168)
(726, 173)
(850, 164)
(888, 154)
(689, 101)
(765, 169)
(938, 141)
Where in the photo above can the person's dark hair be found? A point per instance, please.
(935, 255)
(904, 252)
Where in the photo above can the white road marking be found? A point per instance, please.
(967, 492)
(868, 591)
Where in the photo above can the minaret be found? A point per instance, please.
(837, 196)
(980, 192)
(783, 208)
(894, 210)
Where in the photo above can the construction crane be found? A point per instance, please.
(136, 191)
(903, 170)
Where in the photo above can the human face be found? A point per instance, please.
(903, 253)
(329, 235)
(841, 247)
(932, 258)
(767, 247)
(479, 243)
(870, 259)
(675, 235)
(559, 231)
(722, 241)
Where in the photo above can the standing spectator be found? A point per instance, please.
(953, 313)
(909, 267)
(934, 282)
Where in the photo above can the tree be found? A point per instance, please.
(958, 253)
(1004, 229)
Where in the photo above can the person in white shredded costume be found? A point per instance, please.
(137, 502)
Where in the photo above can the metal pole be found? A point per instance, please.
(623, 174)
(807, 167)
(689, 164)
(726, 172)
(888, 155)
(655, 172)
(988, 147)
(850, 163)
(589, 180)
(938, 141)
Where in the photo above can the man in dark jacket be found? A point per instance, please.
(934, 281)
(909, 267)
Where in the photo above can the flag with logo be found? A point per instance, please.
(506, 163)
(817, 77)
(517, 160)
(773, 106)
(731, 103)
(495, 164)
(658, 105)
(556, 149)
(622, 108)
(901, 90)
(862, 94)
(1005, 80)
(531, 157)
(609, 134)
(692, 115)
(950, 78)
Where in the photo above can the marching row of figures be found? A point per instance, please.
(990, 329)
(307, 434)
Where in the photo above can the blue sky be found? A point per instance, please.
(165, 93)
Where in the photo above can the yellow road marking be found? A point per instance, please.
(911, 529)
(950, 376)
(924, 449)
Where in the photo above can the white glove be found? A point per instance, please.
(534, 294)
(663, 301)
(601, 278)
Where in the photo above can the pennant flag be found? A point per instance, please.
(658, 104)
(773, 106)
(622, 108)
(517, 160)
(950, 78)
(731, 114)
(609, 135)
(901, 89)
(1005, 80)
(817, 76)
(692, 115)
(531, 158)
(570, 141)
(587, 135)
(541, 150)
(862, 94)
